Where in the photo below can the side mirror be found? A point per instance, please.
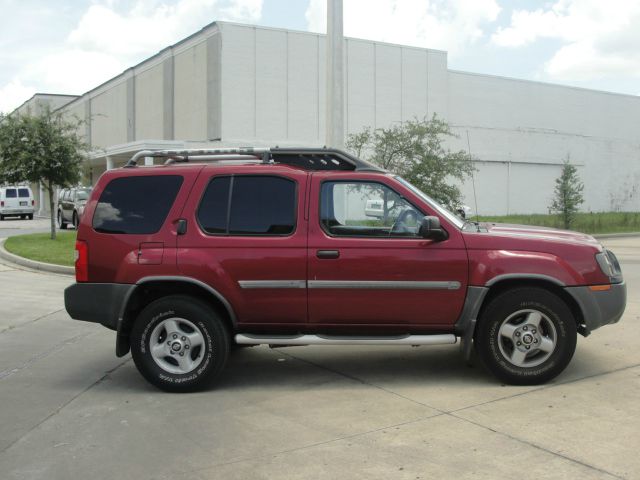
(430, 228)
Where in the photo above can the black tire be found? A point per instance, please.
(31, 216)
(212, 354)
(2, 218)
(74, 219)
(515, 311)
(62, 225)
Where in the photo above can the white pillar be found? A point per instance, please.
(335, 75)
(110, 163)
(41, 199)
(148, 160)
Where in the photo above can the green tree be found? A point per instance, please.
(415, 151)
(43, 148)
(568, 194)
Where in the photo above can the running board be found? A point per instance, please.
(249, 339)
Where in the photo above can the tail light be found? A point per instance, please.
(33, 203)
(2, 203)
(82, 261)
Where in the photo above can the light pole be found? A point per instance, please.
(335, 76)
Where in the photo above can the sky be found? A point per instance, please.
(72, 46)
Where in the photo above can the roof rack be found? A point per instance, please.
(307, 158)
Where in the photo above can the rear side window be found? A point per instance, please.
(11, 193)
(23, 193)
(136, 205)
(249, 205)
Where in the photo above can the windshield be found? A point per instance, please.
(82, 195)
(432, 203)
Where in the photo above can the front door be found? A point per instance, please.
(367, 263)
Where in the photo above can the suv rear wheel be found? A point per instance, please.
(179, 344)
(526, 336)
(61, 223)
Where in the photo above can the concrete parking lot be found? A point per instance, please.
(70, 409)
(15, 226)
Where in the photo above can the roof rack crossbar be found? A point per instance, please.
(184, 155)
(312, 158)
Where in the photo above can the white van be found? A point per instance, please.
(16, 202)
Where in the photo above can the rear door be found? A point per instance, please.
(24, 197)
(369, 265)
(131, 223)
(11, 199)
(246, 238)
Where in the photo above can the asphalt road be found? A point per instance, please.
(71, 410)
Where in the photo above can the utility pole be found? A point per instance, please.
(335, 75)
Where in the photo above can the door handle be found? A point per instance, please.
(327, 254)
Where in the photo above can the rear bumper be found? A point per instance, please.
(600, 307)
(97, 302)
(17, 211)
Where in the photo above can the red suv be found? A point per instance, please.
(221, 248)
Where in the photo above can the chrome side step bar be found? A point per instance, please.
(250, 339)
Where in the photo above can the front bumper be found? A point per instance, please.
(600, 307)
(97, 302)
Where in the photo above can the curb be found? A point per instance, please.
(40, 266)
(616, 235)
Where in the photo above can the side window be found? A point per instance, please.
(366, 209)
(136, 205)
(249, 205)
(214, 206)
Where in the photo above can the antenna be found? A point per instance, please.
(473, 182)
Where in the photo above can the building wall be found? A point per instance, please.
(527, 129)
(109, 116)
(251, 85)
(273, 85)
(190, 104)
(149, 108)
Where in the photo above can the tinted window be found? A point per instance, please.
(366, 209)
(11, 193)
(23, 192)
(136, 205)
(260, 205)
(212, 213)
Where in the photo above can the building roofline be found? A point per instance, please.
(217, 24)
(304, 32)
(207, 27)
(47, 94)
(546, 84)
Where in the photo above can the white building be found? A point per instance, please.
(238, 85)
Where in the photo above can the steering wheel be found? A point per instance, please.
(400, 225)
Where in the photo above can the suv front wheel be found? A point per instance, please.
(526, 336)
(179, 344)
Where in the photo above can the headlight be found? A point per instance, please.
(610, 266)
